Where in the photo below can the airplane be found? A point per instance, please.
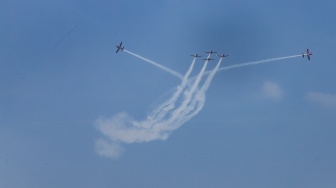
(208, 59)
(120, 47)
(211, 52)
(223, 55)
(308, 54)
(196, 55)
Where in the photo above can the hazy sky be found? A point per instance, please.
(62, 85)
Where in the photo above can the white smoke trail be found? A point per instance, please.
(174, 73)
(170, 104)
(188, 97)
(210, 77)
(199, 101)
(256, 62)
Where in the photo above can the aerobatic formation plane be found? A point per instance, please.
(120, 47)
(223, 55)
(208, 59)
(211, 52)
(308, 54)
(196, 55)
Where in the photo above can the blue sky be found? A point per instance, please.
(266, 125)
